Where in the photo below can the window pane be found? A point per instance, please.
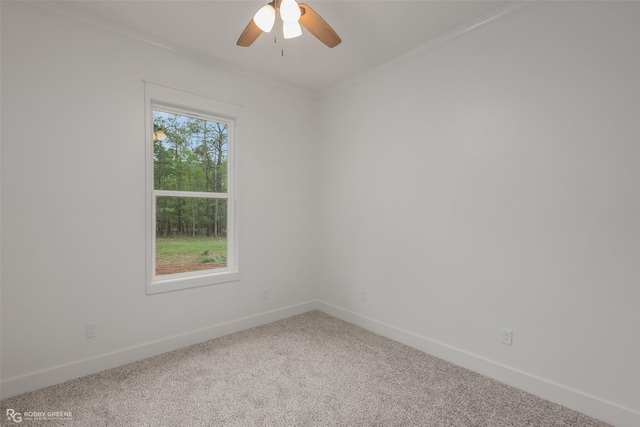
(189, 154)
(191, 234)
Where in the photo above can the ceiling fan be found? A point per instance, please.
(293, 15)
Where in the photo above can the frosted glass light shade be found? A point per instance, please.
(291, 30)
(289, 11)
(265, 17)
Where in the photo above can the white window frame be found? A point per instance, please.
(181, 102)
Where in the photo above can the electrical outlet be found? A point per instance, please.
(363, 296)
(265, 294)
(92, 330)
(506, 337)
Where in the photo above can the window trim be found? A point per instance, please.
(182, 102)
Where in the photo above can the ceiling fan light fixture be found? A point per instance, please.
(289, 11)
(293, 16)
(291, 30)
(265, 18)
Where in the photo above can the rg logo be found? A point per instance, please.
(14, 416)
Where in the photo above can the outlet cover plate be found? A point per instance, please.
(506, 337)
(92, 330)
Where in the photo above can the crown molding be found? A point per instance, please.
(72, 16)
(430, 45)
(77, 17)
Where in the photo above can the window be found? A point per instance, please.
(192, 228)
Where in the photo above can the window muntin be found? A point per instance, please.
(192, 234)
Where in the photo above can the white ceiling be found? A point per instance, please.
(373, 33)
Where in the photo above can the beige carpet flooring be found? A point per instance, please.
(307, 370)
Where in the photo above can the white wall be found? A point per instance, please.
(494, 182)
(73, 202)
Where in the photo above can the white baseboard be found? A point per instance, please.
(58, 374)
(573, 399)
(590, 405)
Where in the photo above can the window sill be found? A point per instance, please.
(177, 282)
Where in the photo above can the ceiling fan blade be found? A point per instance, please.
(318, 26)
(249, 35)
